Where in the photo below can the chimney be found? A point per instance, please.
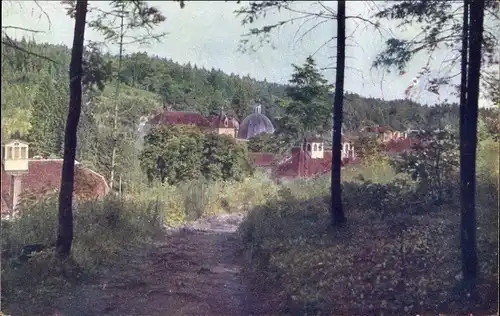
(15, 190)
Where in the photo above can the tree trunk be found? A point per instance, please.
(462, 132)
(117, 102)
(469, 144)
(65, 231)
(338, 216)
(463, 79)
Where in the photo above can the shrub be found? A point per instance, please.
(103, 230)
(367, 147)
(270, 143)
(200, 198)
(172, 153)
(431, 164)
(385, 260)
(224, 159)
(392, 257)
(376, 168)
(179, 153)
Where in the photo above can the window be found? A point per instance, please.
(8, 152)
(308, 147)
(24, 153)
(17, 152)
(315, 147)
(320, 147)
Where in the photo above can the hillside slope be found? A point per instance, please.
(35, 97)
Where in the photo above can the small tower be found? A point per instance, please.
(315, 148)
(15, 164)
(257, 108)
(347, 150)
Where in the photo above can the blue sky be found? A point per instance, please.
(207, 34)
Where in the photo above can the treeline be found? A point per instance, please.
(35, 99)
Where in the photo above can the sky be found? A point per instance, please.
(207, 33)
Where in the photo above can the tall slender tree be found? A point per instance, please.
(468, 140)
(310, 19)
(65, 231)
(338, 216)
(440, 27)
(127, 22)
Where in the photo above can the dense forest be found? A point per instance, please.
(35, 97)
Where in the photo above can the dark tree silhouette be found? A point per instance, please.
(338, 216)
(468, 140)
(65, 231)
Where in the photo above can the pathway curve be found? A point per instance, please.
(194, 271)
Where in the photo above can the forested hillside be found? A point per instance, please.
(35, 99)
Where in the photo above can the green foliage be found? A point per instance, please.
(366, 147)
(489, 124)
(48, 118)
(268, 143)
(178, 153)
(376, 168)
(103, 230)
(223, 158)
(392, 242)
(487, 162)
(309, 112)
(240, 102)
(24, 102)
(172, 153)
(440, 26)
(307, 83)
(434, 160)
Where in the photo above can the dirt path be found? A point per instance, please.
(195, 271)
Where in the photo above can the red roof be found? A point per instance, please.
(180, 118)
(263, 159)
(301, 164)
(222, 121)
(44, 176)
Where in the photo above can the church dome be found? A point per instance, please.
(255, 124)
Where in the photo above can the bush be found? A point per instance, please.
(192, 199)
(375, 168)
(432, 164)
(172, 153)
(106, 229)
(270, 143)
(176, 154)
(393, 256)
(102, 231)
(224, 159)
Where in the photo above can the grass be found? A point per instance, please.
(103, 230)
(397, 255)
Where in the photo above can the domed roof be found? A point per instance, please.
(255, 124)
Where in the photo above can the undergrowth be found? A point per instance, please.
(103, 230)
(399, 253)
